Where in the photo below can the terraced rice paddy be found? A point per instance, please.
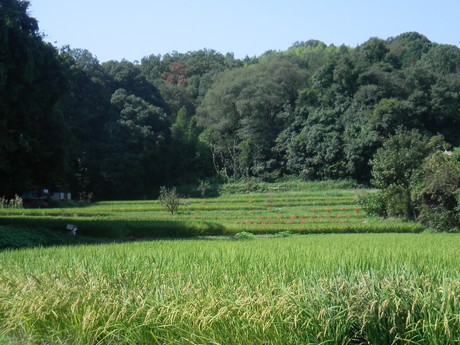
(308, 210)
(354, 288)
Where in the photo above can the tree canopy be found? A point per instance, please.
(120, 129)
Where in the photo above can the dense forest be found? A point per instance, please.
(122, 129)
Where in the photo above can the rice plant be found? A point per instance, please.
(318, 289)
(305, 208)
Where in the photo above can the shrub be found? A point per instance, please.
(170, 199)
(435, 193)
(373, 203)
(244, 235)
(397, 202)
(396, 165)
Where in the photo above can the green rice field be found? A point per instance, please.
(295, 207)
(315, 289)
(322, 271)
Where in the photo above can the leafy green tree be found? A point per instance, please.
(191, 156)
(126, 75)
(241, 115)
(395, 165)
(436, 191)
(195, 70)
(317, 151)
(33, 133)
(87, 109)
(408, 48)
(133, 149)
(374, 50)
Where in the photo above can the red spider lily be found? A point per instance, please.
(357, 209)
(339, 217)
(303, 222)
(302, 217)
(343, 209)
(293, 217)
(328, 210)
(288, 222)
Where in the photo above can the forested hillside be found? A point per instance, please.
(121, 129)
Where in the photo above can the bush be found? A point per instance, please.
(170, 199)
(397, 202)
(372, 203)
(244, 235)
(208, 188)
(435, 193)
(395, 167)
(393, 201)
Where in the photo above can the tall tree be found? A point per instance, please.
(33, 135)
(241, 114)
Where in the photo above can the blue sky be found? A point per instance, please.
(117, 29)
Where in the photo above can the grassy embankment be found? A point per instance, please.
(297, 207)
(335, 289)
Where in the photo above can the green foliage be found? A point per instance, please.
(436, 192)
(394, 168)
(372, 203)
(208, 188)
(285, 185)
(295, 206)
(241, 115)
(400, 156)
(170, 199)
(392, 201)
(397, 202)
(121, 130)
(244, 235)
(13, 238)
(317, 151)
(34, 134)
(190, 154)
(417, 180)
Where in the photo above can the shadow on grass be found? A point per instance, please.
(18, 232)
